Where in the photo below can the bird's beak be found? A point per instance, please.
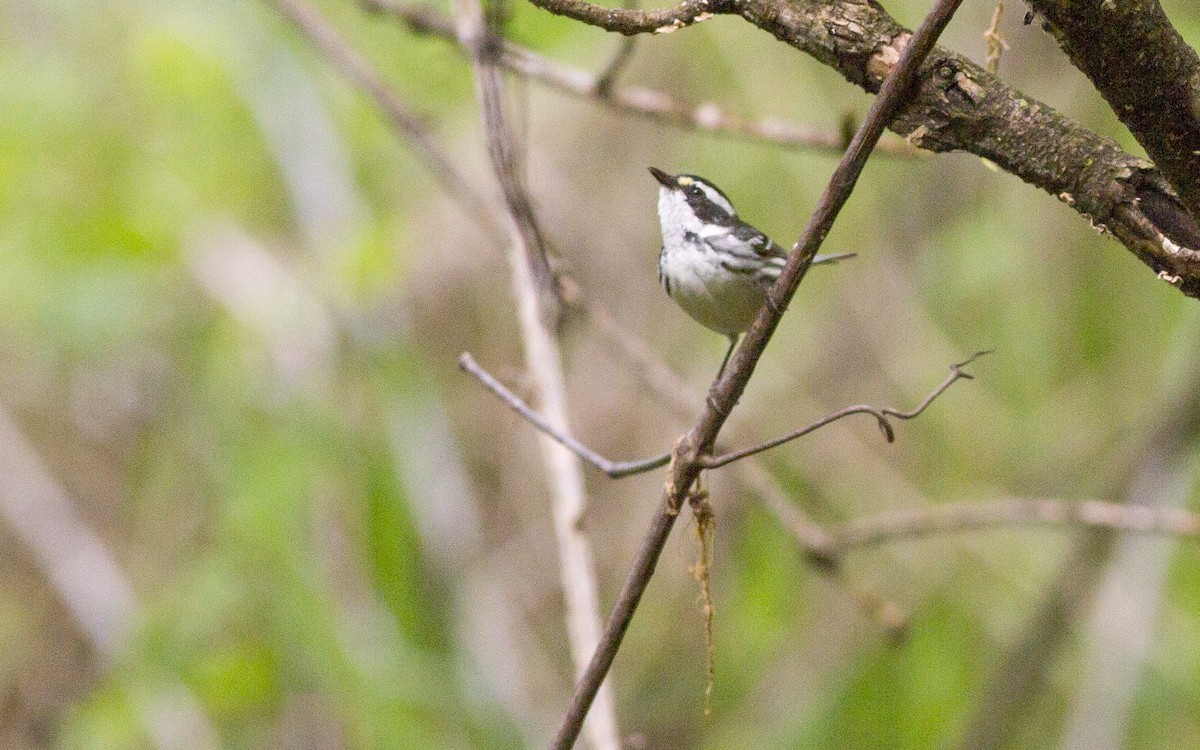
(664, 179)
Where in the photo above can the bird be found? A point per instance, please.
(714, 265)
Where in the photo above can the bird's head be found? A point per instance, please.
(694, 195)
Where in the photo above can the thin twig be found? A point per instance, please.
(881, 415)
(633, 100)
(995, 40)
(607, 77)
(614, 469)
(900, 525)
(619, 469)
(686, 466)
(402, 117)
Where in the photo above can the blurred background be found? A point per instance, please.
(250, 502)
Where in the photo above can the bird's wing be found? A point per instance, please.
(742, 249)
(743, 241)
(745, 249)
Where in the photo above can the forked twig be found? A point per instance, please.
(619, 469)
(763, 485)
(881, 416)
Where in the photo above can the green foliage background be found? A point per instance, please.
(231, 301)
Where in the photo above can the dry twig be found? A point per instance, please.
(814, 542)
(619, 469)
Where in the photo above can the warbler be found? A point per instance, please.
(714, 265)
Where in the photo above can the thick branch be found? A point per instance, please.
(960, 106)
(1148, 74)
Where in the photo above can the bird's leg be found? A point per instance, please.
(729, 353)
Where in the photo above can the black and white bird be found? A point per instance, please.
(714, 265)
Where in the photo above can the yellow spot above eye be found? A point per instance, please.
(685, 181)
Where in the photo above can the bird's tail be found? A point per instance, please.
(833, 258)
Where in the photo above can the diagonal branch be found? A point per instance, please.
(686, 465)
(1146, 72)
(403, 118)
(959, 106)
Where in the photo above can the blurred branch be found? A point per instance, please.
(93, 587)
(631, 100)
(617, 63)
(901, 525)
(1024, 667)
(506, 153)
(1017, 683)
(1146, 72)
(959, 106)
(1122, 632)
(686, 457)
(404, 120)
(539, 305)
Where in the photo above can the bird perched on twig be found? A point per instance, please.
(714, 265)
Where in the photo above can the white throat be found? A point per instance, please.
(676, 217)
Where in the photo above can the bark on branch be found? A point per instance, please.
(959, 106)
(1145, 71)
